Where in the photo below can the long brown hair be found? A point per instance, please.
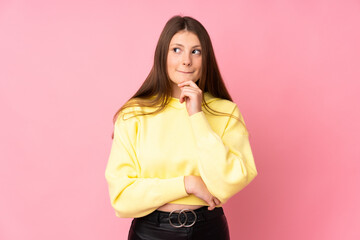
(156, 89)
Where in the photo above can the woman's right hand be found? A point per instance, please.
(195, 185)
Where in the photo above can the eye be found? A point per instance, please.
(196, 51)
(176, 50)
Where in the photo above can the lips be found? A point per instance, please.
(185, 72)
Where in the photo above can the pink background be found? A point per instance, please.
(292, 67)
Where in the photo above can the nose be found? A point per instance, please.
(186, 60)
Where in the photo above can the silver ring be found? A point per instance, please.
(186, 218)
(177, 226)
(182, 224)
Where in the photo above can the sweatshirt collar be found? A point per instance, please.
(174, 102)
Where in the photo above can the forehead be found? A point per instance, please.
(185, 38)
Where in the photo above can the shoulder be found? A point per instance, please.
(219, 104)
(231, 110)
(128, 115)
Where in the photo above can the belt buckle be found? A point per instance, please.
(182, 224)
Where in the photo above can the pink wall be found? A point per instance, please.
(292, 67)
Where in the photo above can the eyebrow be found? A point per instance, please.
(183, 45)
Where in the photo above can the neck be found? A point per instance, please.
(176, 91)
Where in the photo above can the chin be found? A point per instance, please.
(184, 80)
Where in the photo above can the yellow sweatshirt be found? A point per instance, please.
(150, 155)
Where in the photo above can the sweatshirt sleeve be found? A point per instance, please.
(130, 195)
(225, 163)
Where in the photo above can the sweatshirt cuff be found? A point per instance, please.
(177, 187)
(200, 125)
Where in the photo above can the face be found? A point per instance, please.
(184, 58)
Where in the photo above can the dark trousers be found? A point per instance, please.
(207, 225)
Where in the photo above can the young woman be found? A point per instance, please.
(180, 145)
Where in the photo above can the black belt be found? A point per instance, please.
(183, 218)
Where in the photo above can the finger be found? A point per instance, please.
(183, 96)
(190, 89)
(188, 92)
(217, 201)
(189, 83)
(211, 204)
(215, 204)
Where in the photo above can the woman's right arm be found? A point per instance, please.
(130, 195)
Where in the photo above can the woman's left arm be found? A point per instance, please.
(226, 163)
